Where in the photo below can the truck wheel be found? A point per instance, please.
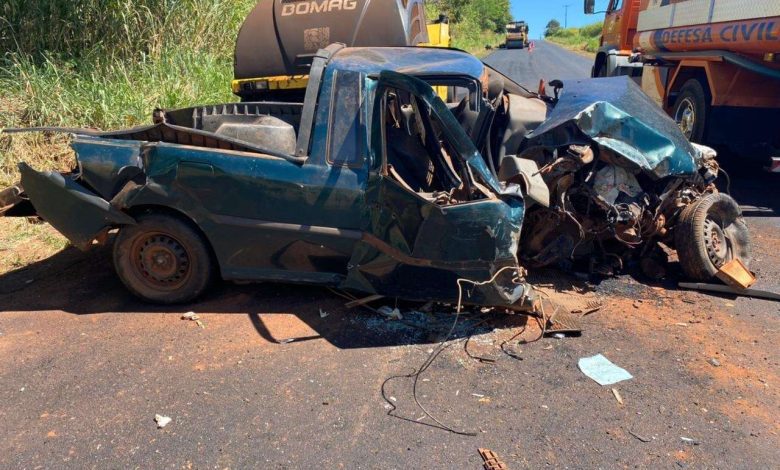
(710, 233)
(691, 109)
(163, 260)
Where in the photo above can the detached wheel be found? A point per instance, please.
(710, 233)
(163, 260)
(691, 109)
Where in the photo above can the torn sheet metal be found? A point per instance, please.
(615, 113)
(79, 214)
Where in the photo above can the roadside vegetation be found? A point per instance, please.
(584, 39)
(474, 24)
(103, 64)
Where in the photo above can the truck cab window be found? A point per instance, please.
(418, 156)
(345, 137)
(615, 5)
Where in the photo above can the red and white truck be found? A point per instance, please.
(714, 65)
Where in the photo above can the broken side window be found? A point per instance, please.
(418, 156)
(345, 137)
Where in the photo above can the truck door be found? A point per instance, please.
(612, 23)
(434, 209)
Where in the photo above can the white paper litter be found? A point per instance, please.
(600, 369)
(162, 421)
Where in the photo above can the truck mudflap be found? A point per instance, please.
(77, 213)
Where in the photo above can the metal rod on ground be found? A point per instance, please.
(757, 294)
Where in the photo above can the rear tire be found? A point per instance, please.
(163, 260)
(691, 109)
(710, 233)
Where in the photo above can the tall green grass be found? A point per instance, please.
(107, 64)
(584, 39)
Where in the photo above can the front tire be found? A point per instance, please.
(163, 260)
(710, 233)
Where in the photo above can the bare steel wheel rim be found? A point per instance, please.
(686, 117)
(160, 261)
(717, 243)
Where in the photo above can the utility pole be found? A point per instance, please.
(566, 15)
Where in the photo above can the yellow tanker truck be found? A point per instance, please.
(279, 39)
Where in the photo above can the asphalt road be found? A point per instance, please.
(84, 368)
(547, 61)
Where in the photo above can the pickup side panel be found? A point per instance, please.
(265, 217)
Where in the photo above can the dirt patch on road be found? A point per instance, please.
(716, 342)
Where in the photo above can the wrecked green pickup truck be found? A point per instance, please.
(375, 185)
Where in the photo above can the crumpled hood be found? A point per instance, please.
(618, 115)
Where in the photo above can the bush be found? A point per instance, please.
(473, 23)
(586, 38)
(592, 30)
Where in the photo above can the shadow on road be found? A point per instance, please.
(85, 284)
(754, 188)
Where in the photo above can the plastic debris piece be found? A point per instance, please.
(690, 441)
(491, 460)
(604, 372)
(191, 316)
(714, 362)
(323, 313)
(617, 395)
(390, 313)
(162, 421)
(736, 274)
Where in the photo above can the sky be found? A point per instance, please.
(538, 12)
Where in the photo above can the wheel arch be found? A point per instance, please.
(682, 76)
